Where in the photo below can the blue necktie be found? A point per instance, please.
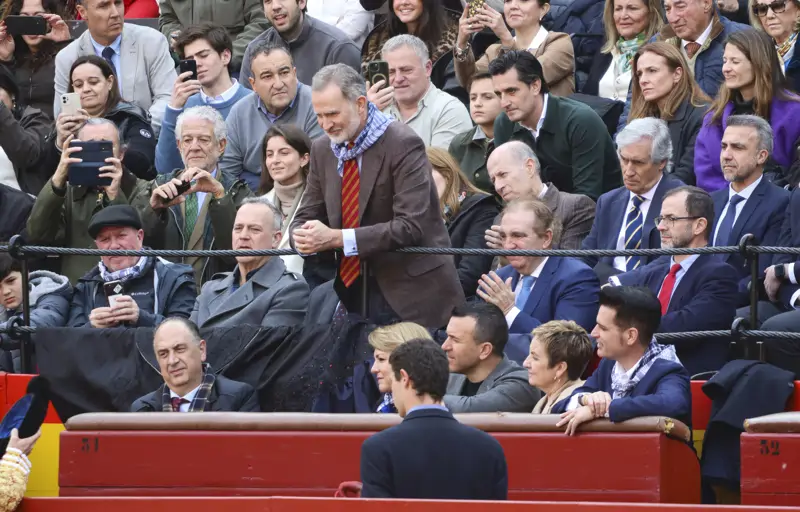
(634, 222)
(726, 225)
(108, 54)
(525, 292)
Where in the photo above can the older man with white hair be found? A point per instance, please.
(625, 217)
(260, 290)
(193, 208)
(411, 98)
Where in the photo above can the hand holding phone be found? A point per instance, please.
(70, 103)
(188, 65)
(113, 290)
(378, 70)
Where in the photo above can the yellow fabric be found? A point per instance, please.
(13, 481)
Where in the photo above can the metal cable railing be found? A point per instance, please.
(748, 248)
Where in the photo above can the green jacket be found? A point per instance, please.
(165, 228)
(471, 155)
(244, 20)
(63, 220)
(574, 147)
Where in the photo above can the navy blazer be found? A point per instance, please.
(424, 457)
(663, 391)
(705, 299)
(789, 237)
(762, 215)
(566, 290)
(610, 217)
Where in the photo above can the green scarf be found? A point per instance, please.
(627, 49)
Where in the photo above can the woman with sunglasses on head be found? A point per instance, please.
(554, 50)
(663, 87)
(754, 84)
(781, 20)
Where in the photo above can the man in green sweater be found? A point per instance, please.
(570, 139)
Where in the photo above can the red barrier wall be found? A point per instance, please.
(770, 469)
(344, 505)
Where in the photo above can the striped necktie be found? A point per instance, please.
(350, 266)
(633, 232)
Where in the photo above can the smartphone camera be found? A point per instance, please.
(377, 73)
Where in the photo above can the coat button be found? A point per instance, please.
(477, 174)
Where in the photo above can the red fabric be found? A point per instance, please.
(666, 289)
(177, 402)
(350, 266)
(141, 9)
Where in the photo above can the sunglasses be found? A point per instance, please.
(777, 7)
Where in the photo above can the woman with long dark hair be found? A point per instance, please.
(92, 77)
(754, 84)
(663, 87)
(32, 58)
(286, 156)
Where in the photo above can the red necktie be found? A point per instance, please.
(177, 402)
(350, 266)
(666, 288)
(691, 48)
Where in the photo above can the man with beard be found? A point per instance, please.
(696, 292)
(369, 193)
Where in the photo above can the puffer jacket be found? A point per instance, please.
(50, 295)
(134, 127)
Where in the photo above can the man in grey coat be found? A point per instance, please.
(260, 291)
(482, 378)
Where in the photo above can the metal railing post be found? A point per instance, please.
(745, 243)
(15, 250)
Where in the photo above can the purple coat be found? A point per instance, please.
(784, 116)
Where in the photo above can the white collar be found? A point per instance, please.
(538, 270)
(538, 39)
(541, 117)
(544, 191)
(189, 396)
(747, 192)
(703, 37)
(650, 193)
(227, 95)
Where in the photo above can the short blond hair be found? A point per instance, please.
(388, 338)
(565, 341)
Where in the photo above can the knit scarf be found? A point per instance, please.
(125, 274)
(200, 398)
(627, 50)
(622, 387)
(387, 405)
(286, 196)
(377, 123)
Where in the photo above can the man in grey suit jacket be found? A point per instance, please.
(482, 378)
(260, 291)
(139, 55)
(515, 171)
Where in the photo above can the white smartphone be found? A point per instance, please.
(70, 103)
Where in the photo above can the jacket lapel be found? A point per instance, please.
(542, 285)
(748, 209)
(619, 214)
(685, 286)
(456, 383)
(129, 62)
(371, 162)
(226, 303)
(652, 212)
(499, 370)
(199, 226)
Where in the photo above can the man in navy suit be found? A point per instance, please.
(624, 217)
(549, 288)
(637, 376)
(696, 292)
(750, 204)
(430, 455)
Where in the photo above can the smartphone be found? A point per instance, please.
(94, 154)
(183, 187)
(474, 5)
(378, 70)
(70, 103)
(113, 289)
(26, 25)
(188, 65)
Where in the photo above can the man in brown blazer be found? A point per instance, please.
(370, 192)
(514, 169)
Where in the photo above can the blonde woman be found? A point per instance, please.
(384, 340)
(781, 20)
(560, 351)
(467, 212)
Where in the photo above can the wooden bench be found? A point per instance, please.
(770, 465)
(291, 454)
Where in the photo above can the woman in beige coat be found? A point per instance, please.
(553, 49)
(560, 351)
(285, 160)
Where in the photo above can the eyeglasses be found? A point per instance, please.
(670, 220)
(777, 7)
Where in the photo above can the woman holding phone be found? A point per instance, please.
(93, 80)
(31, 58)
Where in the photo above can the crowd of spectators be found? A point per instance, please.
(496, 127)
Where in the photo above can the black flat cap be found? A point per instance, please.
(118, 215)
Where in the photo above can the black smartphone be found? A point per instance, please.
(94, 154)
(188, 65)
(113, 289)
(26, 25)
(378, 70)
(183, 187)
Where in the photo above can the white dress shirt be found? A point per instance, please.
(512, 315)
(116, 45)
(619, 261)
(746, 193)
(346, 15)
(685, 266)
(541, 118)
(538, 39)
(184, 407)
